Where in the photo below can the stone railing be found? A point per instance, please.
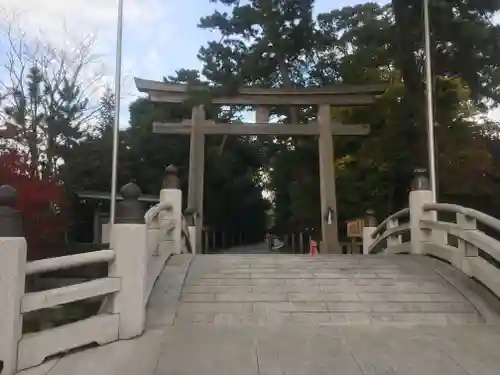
(140, 245)
(457, 241)
(188, 233)
(19, 351)
(389, 234)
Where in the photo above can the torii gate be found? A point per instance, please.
(262, 99)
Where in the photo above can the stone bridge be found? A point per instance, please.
(421, 299)
(295, 315)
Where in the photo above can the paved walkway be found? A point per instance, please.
(262, 248)
(291, 315)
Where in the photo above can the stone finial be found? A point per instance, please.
(420, 181)
(370, 219)
(10, 219)
(130, 210)
(171, 179)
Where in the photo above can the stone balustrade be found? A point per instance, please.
(459, 242)
(140, 245)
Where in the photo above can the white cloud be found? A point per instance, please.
(65, 23)
(79, 17)
(155, 41)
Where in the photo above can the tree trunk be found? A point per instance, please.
(287, 83)
(32, 139)
(273, 32)
(414, 99)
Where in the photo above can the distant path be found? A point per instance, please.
(261, 248)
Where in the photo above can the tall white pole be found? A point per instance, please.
(430, 106)
(116, 125)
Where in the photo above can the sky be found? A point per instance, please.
(159, 36)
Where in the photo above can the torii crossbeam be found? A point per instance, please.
(198, 126)
(211, 128)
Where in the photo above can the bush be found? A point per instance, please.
(41, 202)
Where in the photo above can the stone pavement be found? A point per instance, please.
(282, 289)
(291, 315)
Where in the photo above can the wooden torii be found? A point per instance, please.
(262, 99)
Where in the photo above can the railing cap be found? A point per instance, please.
(130, 191)
(130, 210)
(171, 179)
(171, 169)
(8, 196)
(190, 211)
(10, 219)
(420, 181)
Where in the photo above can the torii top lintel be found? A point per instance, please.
(339, 95)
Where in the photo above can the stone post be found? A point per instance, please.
(467, 223)
(191, 218)
(12, 279)
(130, 265)
(466, 250)
(368, 229)
(172, 193)
(420, 194)
(192, 238)
(395, 239)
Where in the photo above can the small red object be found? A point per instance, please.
(313, 249)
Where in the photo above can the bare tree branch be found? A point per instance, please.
(46, 93)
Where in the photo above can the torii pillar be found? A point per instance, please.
(329, 228)
(197, 172)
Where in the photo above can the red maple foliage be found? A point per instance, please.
(41, 202)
